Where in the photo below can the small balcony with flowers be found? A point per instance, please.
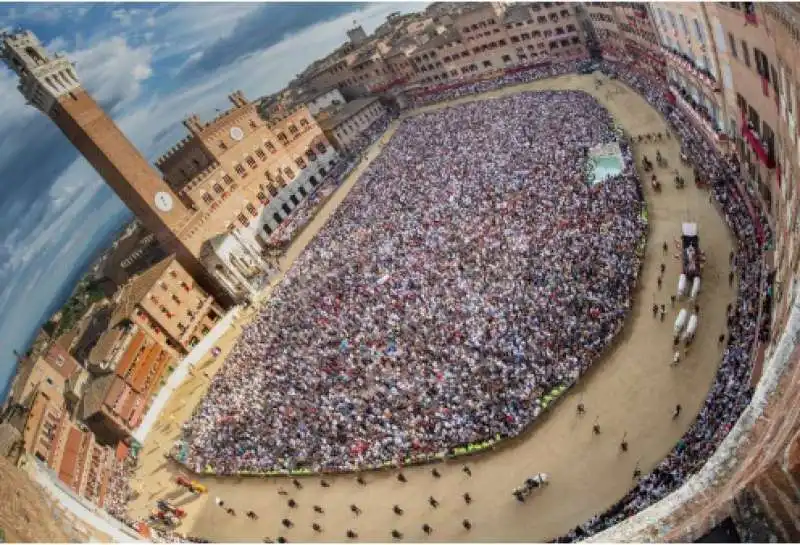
(698, 112)
(686, 65)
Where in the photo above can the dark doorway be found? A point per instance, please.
(286, 208)
(303, 192)
(277, 217)
(724, 532)
(294, 200)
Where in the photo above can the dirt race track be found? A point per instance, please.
(632, 391)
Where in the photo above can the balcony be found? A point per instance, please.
(757, 144)
(686, 64)
(698, 113)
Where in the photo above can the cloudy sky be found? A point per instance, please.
(148, 65)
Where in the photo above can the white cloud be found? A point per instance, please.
(124, 16)
(56, 45)
(190, 60)
(191, 27)
(113, 70)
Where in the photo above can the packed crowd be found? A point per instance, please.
(119, 491)
(731, 391)
(471, 270)
(453, 91)
(370, 135)
(308, 208)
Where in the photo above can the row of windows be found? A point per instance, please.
(601, 17)
(502, 43)
(354, 122)
(762, 65)
(761, 127)
(698, 27)
(521, 56)
(311, 155)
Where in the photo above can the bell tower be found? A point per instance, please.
(51, 85)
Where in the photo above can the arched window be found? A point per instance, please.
(252, 209)
(34, 55)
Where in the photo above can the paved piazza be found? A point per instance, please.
(631, 391)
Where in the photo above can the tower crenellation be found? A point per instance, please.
(42, 79)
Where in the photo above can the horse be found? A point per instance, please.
(682, 285)
(691, 329)
(680, 322)
(695, 288)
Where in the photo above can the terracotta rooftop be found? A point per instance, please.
(60, 360)
(95, 395)
(135, 290)
(105, 344)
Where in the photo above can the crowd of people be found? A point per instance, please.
(731, 391)
(308, 208)
(472, 270)
(119, 491)
(405, 327)
(428, 96)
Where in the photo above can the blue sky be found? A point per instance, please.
(148, 65)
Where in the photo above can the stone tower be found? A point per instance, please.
(51, 85)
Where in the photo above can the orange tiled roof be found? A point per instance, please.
(67, 471)
(60, 360)
(130, 353)
(142, 366)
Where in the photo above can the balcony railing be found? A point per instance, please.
(698, 113)
(684, 62)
